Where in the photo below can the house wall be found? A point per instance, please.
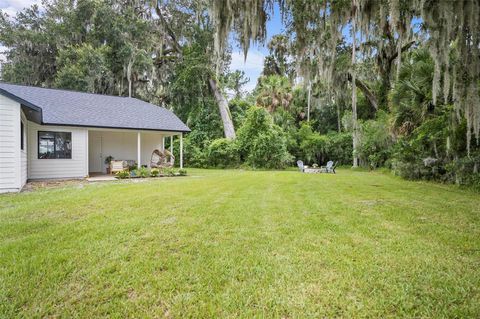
(150, 142)
(10, 158)
(122, 145)
(76, 167)
(24, 152)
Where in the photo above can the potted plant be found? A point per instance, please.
(108, 159)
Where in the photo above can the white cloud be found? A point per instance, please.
(11, 7)
(252, 67)
(254, 61)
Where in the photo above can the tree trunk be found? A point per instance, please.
(129, 77)
(339, 120)
(372, 99)
(224, 111)
(309, 98)
(385, 87)
(221, 101)
(354, 96)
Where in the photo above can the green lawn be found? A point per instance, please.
(242, 244)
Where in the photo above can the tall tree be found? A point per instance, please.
(31, 52)
(86, 45)
(274, 92)
(172, 36)
(235, 81)
(445, 21)
(277, 61)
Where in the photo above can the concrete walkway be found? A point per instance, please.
(101, 178)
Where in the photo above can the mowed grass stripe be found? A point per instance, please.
(242, 244)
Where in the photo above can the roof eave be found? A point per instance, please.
(20, 100)
(118, 127)
(36, 117)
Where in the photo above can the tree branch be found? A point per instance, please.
(404, 48)
(365, 90)
(169, 30)
(228, 127)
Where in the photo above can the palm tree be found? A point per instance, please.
(411, 97)
(274, 91)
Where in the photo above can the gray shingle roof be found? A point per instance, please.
(62, 107)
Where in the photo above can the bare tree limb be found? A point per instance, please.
(404, 48)
(169, 30)
(372, 99)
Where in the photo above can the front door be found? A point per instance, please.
(95, 158)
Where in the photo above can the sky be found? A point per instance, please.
(11, 7)
(252, 66)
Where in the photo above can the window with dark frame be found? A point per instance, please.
(22, 136)
(54, 145)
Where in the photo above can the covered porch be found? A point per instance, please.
(130, 145)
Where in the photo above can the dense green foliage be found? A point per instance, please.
(375, 141)
(316, 148)
(166, 56)
(260, 144)
(92, 46)
(223, 153)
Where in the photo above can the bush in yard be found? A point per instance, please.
(313, 145)
(182, 172)
(154, 172)
(269, 150)
(123, 174)
(170, 171)
(340, 148)
(436, 150)
(257, 120)
(194, 152)
(223, 153)
(142, 172)
(375, 145)
(466, 170)
(261, 143)
(318, 148)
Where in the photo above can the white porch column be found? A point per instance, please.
(139, 150)
(171, 144)
(181, 150)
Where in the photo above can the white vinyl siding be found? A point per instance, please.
(23, 153)
(76, 167)
(10, 174)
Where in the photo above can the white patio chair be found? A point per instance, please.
(301, 167)
(330, 168)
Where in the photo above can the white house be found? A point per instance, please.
(50, 133)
